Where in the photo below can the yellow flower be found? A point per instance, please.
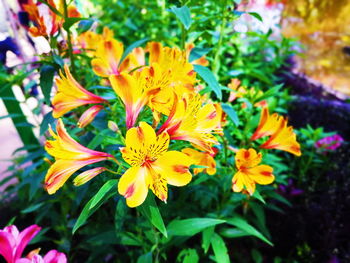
(189, 121)
(283, 139)
(89, 115)
(170, 74)
(250, 172)
(268, 124)
(201, 158)
(108, 55)
(131, 91)
(152, 165)
(71, 95)
(70, 156)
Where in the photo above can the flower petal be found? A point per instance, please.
(54, 256)
(262, 174)
(7, 246)
(174, 167)
(24, 237)
(133, 185)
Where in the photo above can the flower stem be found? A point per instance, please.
(218, 49)
(69, 37)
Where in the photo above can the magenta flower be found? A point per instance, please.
(13, 243)
(330, 142)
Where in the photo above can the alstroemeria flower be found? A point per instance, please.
(203, 159)
(190, 121)
(108, 55)
(131, 91)
(71, 94)
(13, 243)
(237, 90)
(168, 75)
(250, 172)
(283, 139)
(152, 165)
(268, 124)
(69, 155)
(45, 21)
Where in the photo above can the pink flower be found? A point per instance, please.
(13, 243)
(330, 142)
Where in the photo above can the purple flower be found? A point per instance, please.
(330, 142)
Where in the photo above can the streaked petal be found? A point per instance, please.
(262, 174)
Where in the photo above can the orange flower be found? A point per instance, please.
(268, 124)
(283, 139)
(237, 90)
(282, 136)
(250, 172)
(201, 158)
(71, 95)
(70, 156)
(41, 25)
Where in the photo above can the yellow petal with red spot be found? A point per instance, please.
(133, 185)
(262, 174)
(247, 158)
(201, 158)
(268, 124)
(174, 167)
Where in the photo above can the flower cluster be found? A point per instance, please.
(164, 87)
(331, 143)
(160, 83)
(13, 243)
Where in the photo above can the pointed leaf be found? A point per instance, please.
(197, 53)
(47, 73)
(231, 113)
(131, 47)
(220, 249)
(192, 226)
(145, 258)
(210, 79)
(150, 210)
(183, 14)
(243, 225)
(103, 192)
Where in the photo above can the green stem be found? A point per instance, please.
(218, 49)
(69, 37)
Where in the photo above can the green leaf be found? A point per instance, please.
(197, 53)
(233, 233)
(257, 257)
(70, 21)
(270, 93)
(48, 119)
(47, 73)
(258, 196)
(85, 25)
(206, 238)
(131, 47)
(256, 15)
(145, 258)
(192, 226)
(231, 113)
(210, 79)
(191, 256)
(104, 190)
(183, 14)
(150, 210)
(87, 212)
(58, 60)
(32, 208)
(243, 225)
(220, 249)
